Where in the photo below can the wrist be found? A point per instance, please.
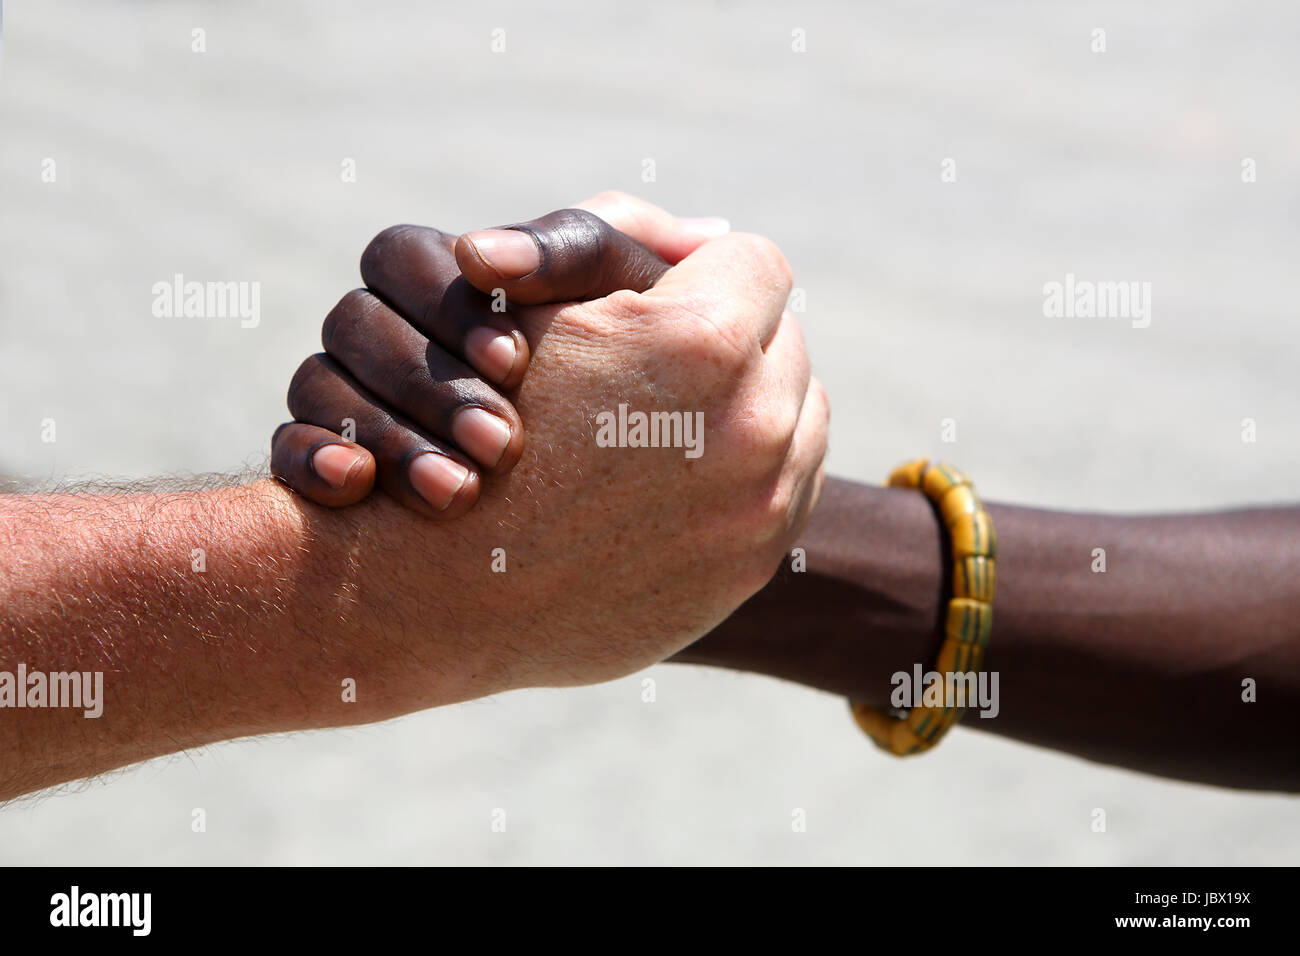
(394, 603)
(870, 602)
(270, 614)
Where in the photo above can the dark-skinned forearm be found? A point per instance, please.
(1141, 665)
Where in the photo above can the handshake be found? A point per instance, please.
(673, 448)
(672, 455)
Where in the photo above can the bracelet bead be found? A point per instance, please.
(968, 621)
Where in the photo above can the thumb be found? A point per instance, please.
(566, 256)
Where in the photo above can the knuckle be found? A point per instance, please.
(627, 213)
(632, 308)
(620, 316)
(768, 520)
(813, 426)
(718, 337)
(378, 247)
(823, 402)
(772, 433)
(305, 385)
(768, 262)
(780, 504)
(393, 445)
(790, 325)
(409, 375)
(386, 241)
(753, 440)
(342, 326)
(580, 230)
(758, 439)
(285, 443)
(761, 560)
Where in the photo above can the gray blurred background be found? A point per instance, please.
(924, 302)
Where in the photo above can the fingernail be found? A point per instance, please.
(333, 464)
(710, 226)
(481, 434)
(436, 478)
(511, 254)
(491, 352)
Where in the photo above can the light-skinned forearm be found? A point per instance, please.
(255, 634)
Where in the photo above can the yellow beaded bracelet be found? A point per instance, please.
(970, 610)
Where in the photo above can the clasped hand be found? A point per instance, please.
(575, 558)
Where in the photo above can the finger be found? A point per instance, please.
(787, 369)
(420, 381)
(413, 269)
(802, 472)
(413, 468)
(808, 454)
(320, 465)
(740, 282)
(671, 237)
(567, 256)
